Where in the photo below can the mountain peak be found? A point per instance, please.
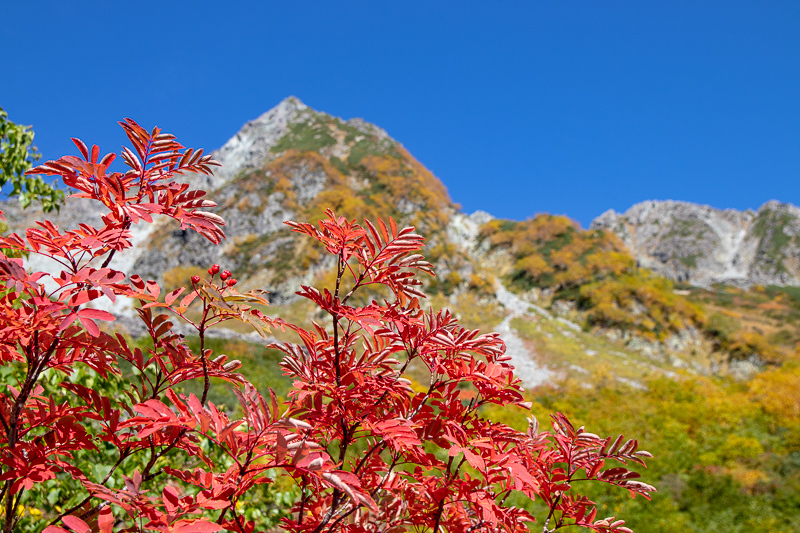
(291, 125)
(251, 145)
(292, 162)
(290, 107)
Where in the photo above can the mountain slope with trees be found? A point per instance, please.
(294, 162)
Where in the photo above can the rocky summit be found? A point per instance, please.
(700, 245)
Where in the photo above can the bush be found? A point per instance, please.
(98, 433)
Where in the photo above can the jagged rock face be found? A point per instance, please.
(701, 245)
(464, 230)
(292, 162)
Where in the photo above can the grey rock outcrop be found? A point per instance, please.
(702, 245)
(464, 229)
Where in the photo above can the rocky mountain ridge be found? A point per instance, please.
(545, 277)
(284, 164)
(700, 245)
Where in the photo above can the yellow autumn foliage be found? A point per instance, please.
(641, 302)
(746, 343)
(534, 265)
(613, 263)
(776, 391)
(481, 284)
(552, 251)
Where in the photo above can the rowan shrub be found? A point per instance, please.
(99, 433)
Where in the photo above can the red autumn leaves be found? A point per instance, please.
(366, 448)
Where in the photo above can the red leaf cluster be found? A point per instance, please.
(368, 450)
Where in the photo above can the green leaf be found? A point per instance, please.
(17, 154)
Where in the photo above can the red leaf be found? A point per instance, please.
(90, 326)
(76, 524)
(169, 298)
(195, 526)
(476, 461)
(105, 520)
(96, 314)
(82, 147)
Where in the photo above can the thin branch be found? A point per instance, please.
(123, 455)
(203, 358)
(550, 515)
(302, 501)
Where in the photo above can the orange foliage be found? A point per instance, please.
(611, 263)
(407, 181)
(563, 258)
(773, 306)
(776, 392)
(546, 227)
(575, 274)
(534, 265)
(552, 251)
(747, 343)
(639, 301)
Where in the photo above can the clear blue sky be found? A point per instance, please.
(519, 107)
